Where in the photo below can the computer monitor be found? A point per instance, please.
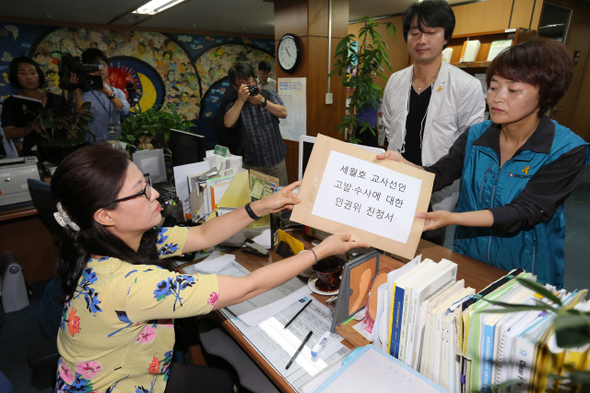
(306, 146)
(186, 147)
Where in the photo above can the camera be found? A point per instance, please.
(69, 65)
(253, 90)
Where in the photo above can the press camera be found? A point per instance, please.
(69, 65)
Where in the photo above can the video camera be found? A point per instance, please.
(73, 64)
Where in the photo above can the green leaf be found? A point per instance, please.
(580, 377)
(572, 328)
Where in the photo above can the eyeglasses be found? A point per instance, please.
(147, 190)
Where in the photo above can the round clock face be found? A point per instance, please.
(288, 53)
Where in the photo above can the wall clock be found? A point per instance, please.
(289, 53)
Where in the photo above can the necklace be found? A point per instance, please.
(431, 80)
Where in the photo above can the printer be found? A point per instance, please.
(14, 173)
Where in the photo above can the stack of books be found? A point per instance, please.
(440, 328)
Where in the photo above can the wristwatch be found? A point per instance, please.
(263, 103)
(112, 96)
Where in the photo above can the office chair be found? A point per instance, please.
(216, 343)
(44, 203)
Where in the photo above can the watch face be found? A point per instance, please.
(288, 53)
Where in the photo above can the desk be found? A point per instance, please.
(23, 233)
(476, 274)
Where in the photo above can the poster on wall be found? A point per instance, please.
(293, 93)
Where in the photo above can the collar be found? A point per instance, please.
(540, 141)
(441, 78)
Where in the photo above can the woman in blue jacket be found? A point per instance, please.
(516, 169)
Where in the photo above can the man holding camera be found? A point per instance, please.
(258, 112)
(107, 104)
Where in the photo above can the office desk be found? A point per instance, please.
(476, 274)
(23, 233)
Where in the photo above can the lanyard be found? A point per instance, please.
(104, 106)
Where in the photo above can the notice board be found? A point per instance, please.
(293, 92)
(345, 189)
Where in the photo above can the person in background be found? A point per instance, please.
(264, 148)
(27, 75)
(117, 332)
(516, 169)
(265, 82)
(427, 105)
(107, 104)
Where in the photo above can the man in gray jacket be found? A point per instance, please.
(427, 105)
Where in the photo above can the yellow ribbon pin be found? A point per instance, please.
(526, 170)
(439, 88)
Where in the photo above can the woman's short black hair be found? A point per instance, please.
(13, 71)
(430, 13)
(540, 62)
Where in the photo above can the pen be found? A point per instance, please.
(305, 340)
(298, 312)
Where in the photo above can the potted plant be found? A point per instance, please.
(63, 129)
(146, 130)
(355, 59)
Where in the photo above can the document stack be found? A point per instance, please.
(449, 334)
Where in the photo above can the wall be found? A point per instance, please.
(188, 69)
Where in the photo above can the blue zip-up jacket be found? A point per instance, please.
(537, 247)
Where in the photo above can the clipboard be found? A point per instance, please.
(355, 286)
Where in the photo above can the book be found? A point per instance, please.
(391, 278)
(427, 311)
(447, 54)
(469, 51)
(398, 308)
(405, 286)
(498, 46)
(445, 274)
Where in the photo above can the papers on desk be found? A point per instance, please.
(369, 369)
(277, 345)
(262, 307)
(213, 264)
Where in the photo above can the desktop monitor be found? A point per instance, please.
(306, 146)
(186, 147)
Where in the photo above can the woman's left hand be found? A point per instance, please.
(436, 219)
(284, 199)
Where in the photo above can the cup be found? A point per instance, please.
(328, 272)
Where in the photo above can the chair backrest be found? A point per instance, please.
(44, 203)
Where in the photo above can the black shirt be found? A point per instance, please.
(415, 125)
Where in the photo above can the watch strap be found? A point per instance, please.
(263, 103)
(251, 212)
(112, 96)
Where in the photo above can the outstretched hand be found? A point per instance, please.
(284, 199)
(392, 155)
(436, 219)
(337, 244)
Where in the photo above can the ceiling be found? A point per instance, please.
(232, 16)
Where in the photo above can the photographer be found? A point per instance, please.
(25, 74)
(108, 103)
(258, 113)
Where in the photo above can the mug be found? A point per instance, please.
(328, 272)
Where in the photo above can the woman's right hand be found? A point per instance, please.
(336, 245)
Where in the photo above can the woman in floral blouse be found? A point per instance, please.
(117, 331)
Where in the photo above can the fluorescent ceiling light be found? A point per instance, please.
(155, 6)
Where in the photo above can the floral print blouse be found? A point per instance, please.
(117, 330)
